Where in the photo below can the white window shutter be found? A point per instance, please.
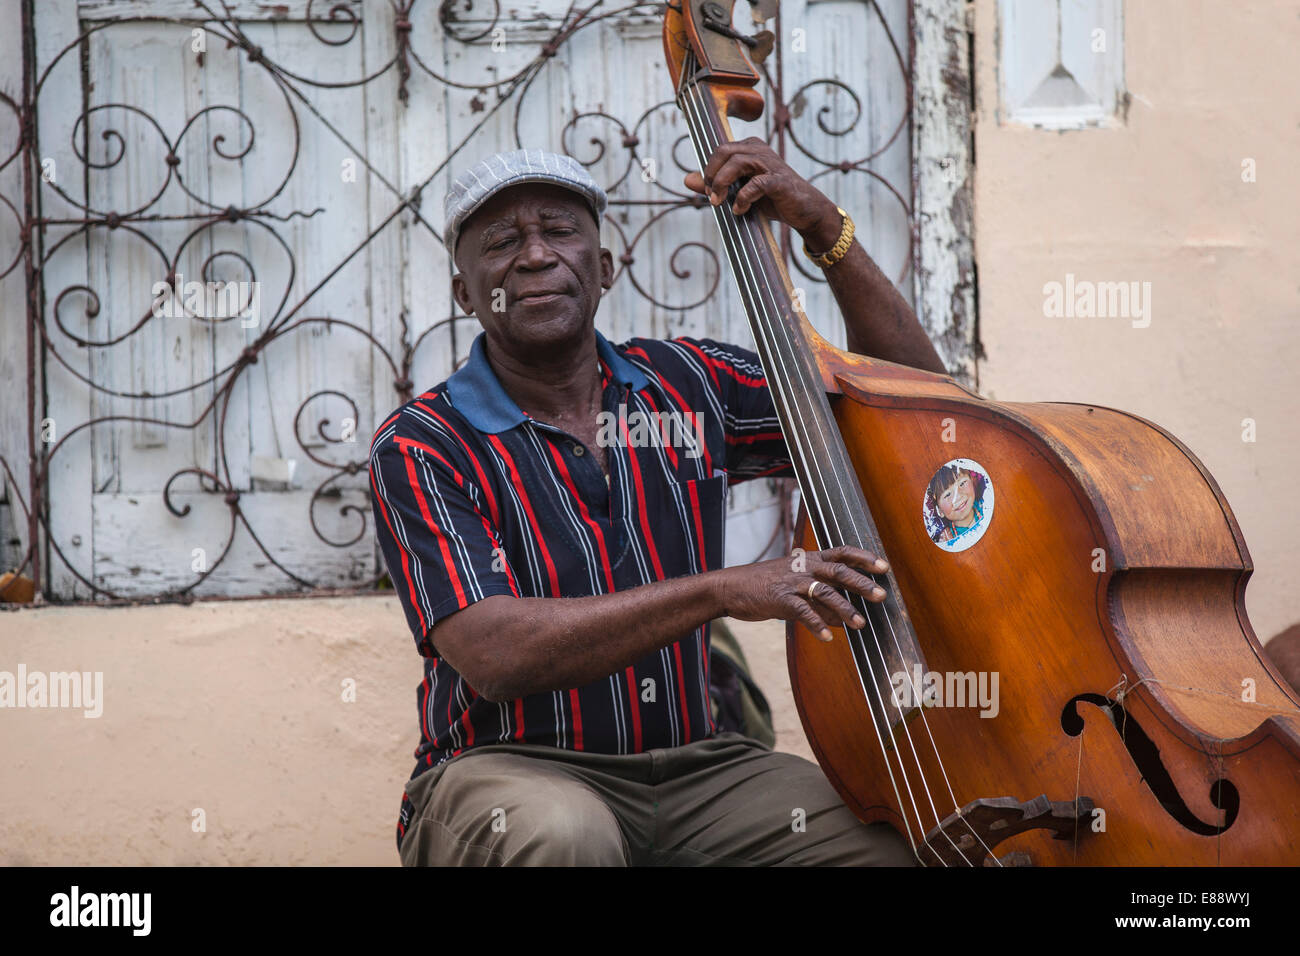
(1061, 62)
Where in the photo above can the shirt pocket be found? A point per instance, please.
(703, 506)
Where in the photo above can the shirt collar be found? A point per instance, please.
(478, 395)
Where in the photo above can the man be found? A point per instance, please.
(559, 562)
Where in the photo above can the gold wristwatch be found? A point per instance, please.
(841, 247)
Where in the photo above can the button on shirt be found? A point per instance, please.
(472, 497)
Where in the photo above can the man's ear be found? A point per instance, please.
(460, 292)
(606, 268)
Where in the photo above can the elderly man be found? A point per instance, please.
(559, 563)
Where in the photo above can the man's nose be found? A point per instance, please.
(535, 252)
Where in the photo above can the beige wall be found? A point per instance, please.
(234, 707)
(1161, 199)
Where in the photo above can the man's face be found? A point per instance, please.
(531, 267)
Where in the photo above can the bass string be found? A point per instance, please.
(756, 236)
(813, 479)
(736, 244)
(758, 310)
(800, 455)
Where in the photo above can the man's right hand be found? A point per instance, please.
(780, 588)
(508, 647)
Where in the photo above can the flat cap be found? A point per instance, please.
(480, 182)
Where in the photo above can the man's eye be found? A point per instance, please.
(562, 231)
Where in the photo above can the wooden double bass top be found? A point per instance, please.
(1063, 671)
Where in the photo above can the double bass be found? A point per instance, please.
(1085, 565)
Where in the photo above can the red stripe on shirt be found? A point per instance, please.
(681, 691)
(577, 718)
(641, 512)
(488, 528)
(747, 380)
(707, 366)
(528, 510)
(667, 443)
(464, 714)
(756, 437)
(484, 484)
(682, 406)
(699, 525)
(699, 539)
(406, 568)
(443, 546)
(586, 516)
(635, 700)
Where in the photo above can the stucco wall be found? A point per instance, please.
(1160, 199)
(235, 708)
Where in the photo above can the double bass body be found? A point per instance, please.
(1137, 720)
(1106, 594)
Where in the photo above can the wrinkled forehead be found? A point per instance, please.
(504, 208)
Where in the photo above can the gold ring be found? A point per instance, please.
(812, 587)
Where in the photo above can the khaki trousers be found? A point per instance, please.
(727, 800)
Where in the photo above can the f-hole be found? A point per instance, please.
(1146, 757)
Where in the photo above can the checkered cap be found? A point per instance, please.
(476, 185)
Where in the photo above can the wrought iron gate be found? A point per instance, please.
(221, 266)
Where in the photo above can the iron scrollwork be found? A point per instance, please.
(103, 138)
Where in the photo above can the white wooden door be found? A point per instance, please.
(306, 148)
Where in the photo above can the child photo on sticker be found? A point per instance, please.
(958, 504)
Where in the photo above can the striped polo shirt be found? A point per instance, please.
(474, 497)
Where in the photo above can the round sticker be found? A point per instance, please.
(958, 504)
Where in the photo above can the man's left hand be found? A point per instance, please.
(773, 188)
